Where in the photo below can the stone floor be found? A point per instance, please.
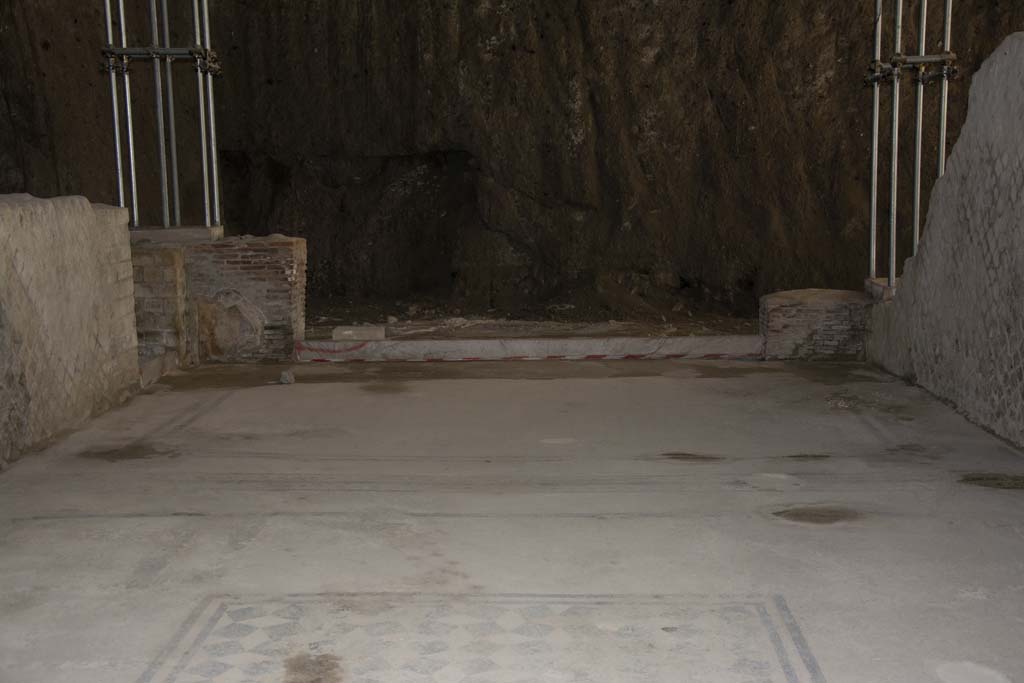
(606, 522)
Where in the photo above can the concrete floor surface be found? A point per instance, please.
(626, 521)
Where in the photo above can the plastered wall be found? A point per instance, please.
(956, 325)
(68, 345)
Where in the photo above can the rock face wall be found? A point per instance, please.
(67, 320)
(957, 322)
(506, 149)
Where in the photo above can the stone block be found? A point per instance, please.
(814, 324)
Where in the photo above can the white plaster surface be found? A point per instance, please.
(956, 325)
(68, 347)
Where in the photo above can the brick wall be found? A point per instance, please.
(232, 300)
(250, 296)
(67, 322)
(814, 324)
(957, 320)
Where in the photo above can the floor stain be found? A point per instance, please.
(139, 450)
(265, 375)
(911, 451)
(734, 370)
(271, 433)
(807, 457)
(879, 402)
(385, 388)
(837, 374)
(818, 514)
(308, 668)
(1006, 482)
(914, 448)
(691, 457)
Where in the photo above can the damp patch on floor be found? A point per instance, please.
(818, 514)
(137, 450)
(691, 457)
(1007, 482)
(402, 638)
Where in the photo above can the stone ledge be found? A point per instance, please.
(176, 235)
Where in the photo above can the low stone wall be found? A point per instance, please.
(67, 320)
(814, 324)
(956, 324)
(232, 300)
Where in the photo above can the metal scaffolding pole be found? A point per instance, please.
(154, 52)
(947, 39)
(894, 190)
(211, 108)
(201, 89)
(164, 56)
(927, 68)
(129, 123)
(172, 127)
(115, 104)
(875, 125)
(161, 133)
(919, 131)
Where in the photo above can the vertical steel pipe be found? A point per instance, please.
(129, 122)
(922, 44)
(947, 41)
(161, 132)
(115, 105)
(201, 89)
(172, 126)
(210, 105)
(875, 125)
(894, 190)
